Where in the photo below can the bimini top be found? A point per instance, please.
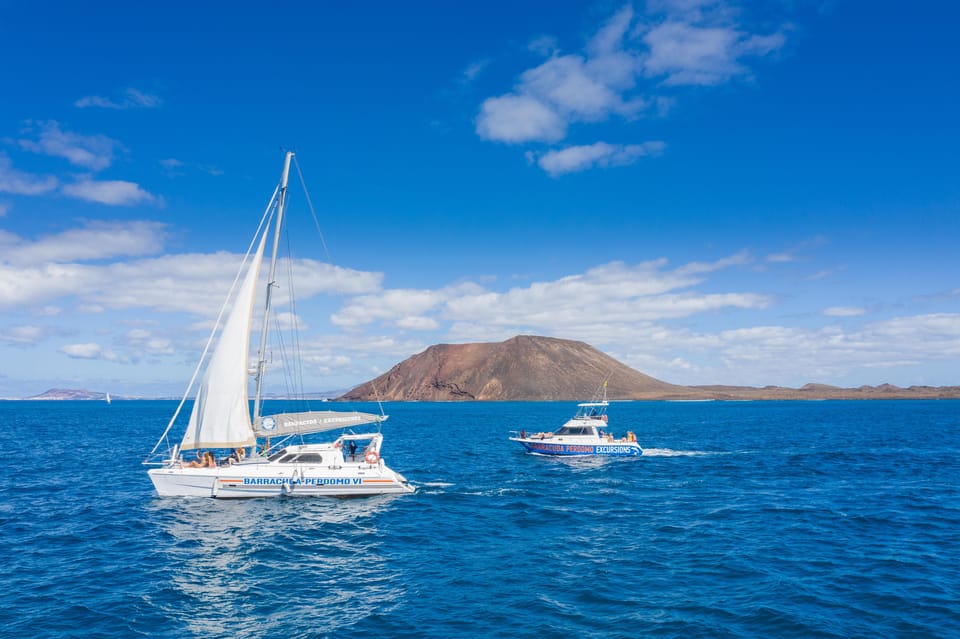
(312, 422)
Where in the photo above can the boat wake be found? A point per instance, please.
(669, 452)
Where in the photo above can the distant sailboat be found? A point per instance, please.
(221, 416)
(108, 398)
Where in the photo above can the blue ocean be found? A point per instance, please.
(742, 519)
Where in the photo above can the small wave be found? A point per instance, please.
(436, 484)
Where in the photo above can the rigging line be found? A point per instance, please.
(376, 394)
(265, 219)
(316, 222)
(335, 272)
(295, 326)
(294, 361)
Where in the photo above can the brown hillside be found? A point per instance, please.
(533, 368)
(525, 367)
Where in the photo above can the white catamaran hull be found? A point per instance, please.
(274, 480)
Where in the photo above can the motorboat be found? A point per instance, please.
(585, 434)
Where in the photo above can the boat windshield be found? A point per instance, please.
(571, 431)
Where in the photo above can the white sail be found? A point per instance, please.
(221, 411)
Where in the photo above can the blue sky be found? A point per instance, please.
(711, 192)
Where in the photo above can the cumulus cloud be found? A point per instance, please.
(618, 74)
(89, 350)
(685, 54)
(111, 192)
(844, 311)
(519, 118)
(406, 305)
(566, 89)
(612, 292)
(95, 241)
(93, 152)
(21, 183)
(600, 154)
(24, 334)
(755, 355)
(141, 342)
(131, 99)
(77, 262)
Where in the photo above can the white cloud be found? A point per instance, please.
(600, 154)
(474, 69)
(844, 311)
(566, 89)
(780, 258)
(616, 74)
(95, 241)
(4, 209)
(132, 98)
(24, 334)
(110, 192)
(609, 293)
(83, 351)
(90, 350)
(20, 183)
(519, 118)
(77, 264)
(418, 323)
(140, 342)
(94, 152)
(392, 305)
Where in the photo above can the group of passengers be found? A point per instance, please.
(207, 460)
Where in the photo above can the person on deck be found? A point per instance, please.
(207, 461)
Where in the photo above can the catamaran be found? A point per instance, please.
(221, 418)
(585, 434)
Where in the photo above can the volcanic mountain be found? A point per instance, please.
(525, 367)
(534, 368)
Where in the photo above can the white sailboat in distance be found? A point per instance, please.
(221, 421)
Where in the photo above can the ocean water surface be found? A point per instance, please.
(742, 519)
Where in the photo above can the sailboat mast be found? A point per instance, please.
(271, 283)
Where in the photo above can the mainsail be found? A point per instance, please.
(221, 411)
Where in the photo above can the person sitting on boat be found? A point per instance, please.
(523, 434)
(196, 463)
(237, 455)
(207, 461)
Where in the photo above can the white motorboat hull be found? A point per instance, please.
(567, 448)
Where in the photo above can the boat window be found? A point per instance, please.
(287, 459)
(277, 455)
(310, 458)
(571, 431)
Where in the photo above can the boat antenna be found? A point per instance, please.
(271, 283)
